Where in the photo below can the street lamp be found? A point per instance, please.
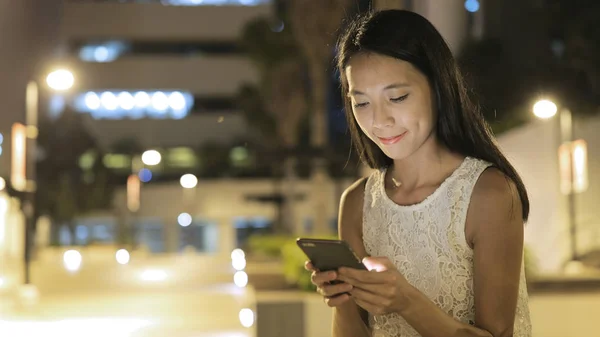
(570, 163)
(24, 177)
(60, 80)
(544, 109)
(151, 157)
(188, 181)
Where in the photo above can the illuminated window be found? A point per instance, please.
(105, 52)
(182, 157)
(87, 160)
(117, 161)
(135, 105)
(573, 167)
(239, 156)
(472, 5)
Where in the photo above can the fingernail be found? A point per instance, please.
(332, 274)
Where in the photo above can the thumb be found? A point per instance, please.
(378, 263)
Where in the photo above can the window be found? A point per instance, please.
(109, 51)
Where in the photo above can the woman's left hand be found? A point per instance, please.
(381, 289)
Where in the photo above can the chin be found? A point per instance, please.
(396, 154)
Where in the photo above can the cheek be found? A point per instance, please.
(364, 121)
(419, 119)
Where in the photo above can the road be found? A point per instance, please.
(179, 296)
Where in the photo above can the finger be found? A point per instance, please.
(319, 278)
(337, 300)
(334, 289)
(355, 276)
(368, 306)
(366, 295)
(309, 266)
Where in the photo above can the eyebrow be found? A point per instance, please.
(391, 86)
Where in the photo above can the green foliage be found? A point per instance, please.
(251, 102)
(268, 245)
(284, 247)
(213, 158)
(293, 266)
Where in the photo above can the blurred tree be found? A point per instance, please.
(277, 106)
(557, 58)
(128, 146)
(316, 32)
(67, 185)
(315, 25)
(214, 159)
(573, 28)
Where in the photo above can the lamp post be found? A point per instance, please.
(24, 179)
(545, 109)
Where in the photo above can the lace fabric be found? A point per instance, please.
(427, 244)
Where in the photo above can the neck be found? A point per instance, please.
(431, 162)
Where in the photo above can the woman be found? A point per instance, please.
(440, 222)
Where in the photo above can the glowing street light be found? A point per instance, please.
(240, 278)
(60, 80)
(122, 256)
(246, 316)
(544, 109)
(184, 219)
(72, 260)
(188, 181)
(151, 157)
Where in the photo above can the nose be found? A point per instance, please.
(382, 118)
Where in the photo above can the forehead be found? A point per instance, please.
(372, 70)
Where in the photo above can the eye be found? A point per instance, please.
(399, 99)
(360, 105)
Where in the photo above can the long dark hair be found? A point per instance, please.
(410, 37)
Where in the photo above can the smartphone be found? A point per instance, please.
(328, 255)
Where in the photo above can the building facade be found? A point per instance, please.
(534, 151)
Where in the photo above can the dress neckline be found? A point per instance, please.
(430, 197)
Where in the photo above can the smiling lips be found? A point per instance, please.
(391, 140)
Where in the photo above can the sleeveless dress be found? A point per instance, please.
(427, 243)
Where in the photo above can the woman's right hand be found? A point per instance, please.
(333, 294)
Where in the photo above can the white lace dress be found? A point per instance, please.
(427, 243)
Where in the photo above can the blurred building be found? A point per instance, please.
(534, 151)
(28, 35)
(26, 49)
(164, 75)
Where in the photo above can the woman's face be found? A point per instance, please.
(392, 103)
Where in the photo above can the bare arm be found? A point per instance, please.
(495, 230)
(349, 320)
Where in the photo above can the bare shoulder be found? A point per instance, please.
(355, 193)
(350, 215)
(495, 204)
(494, 186)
